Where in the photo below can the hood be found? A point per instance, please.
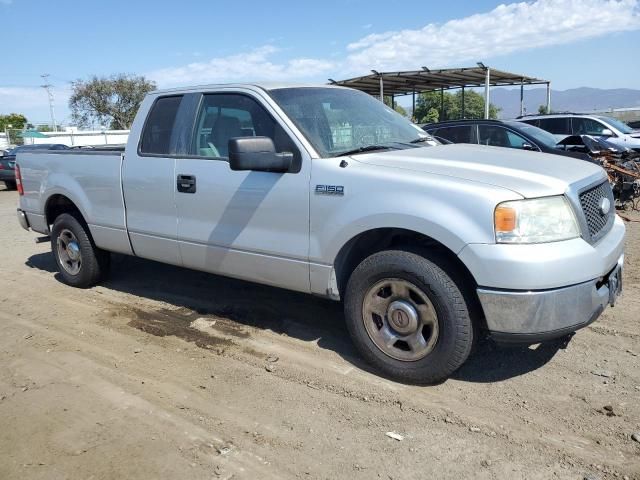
(530, 174)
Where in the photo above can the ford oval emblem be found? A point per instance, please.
(605, 206)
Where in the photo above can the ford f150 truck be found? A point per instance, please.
(325, 190)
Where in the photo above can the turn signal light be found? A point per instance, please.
(505, 218)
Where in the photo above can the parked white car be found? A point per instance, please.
(564, 124)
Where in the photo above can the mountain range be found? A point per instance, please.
(581, 100)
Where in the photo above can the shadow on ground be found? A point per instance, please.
(295, 314)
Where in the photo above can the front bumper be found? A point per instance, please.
(536, 316)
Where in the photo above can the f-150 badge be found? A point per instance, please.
(329, 190)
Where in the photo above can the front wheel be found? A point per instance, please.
(79, 261)
(408, 317)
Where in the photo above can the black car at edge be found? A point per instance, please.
(499, 133)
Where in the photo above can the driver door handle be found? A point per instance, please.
(186, 183)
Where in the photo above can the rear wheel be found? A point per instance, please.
(80, 262)
(10, 184)
(408, 317)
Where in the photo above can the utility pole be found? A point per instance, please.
(47, 86)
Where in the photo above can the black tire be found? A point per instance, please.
(455, 335)
(10, 184)
(94, 262)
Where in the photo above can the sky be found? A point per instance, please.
(573, 43)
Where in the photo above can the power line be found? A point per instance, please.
(47, 86)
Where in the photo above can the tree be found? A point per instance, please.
(542, 109)
(398, 108)
(111, 101)
(16, 120)
(428, 106)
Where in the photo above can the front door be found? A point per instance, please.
(244, 224)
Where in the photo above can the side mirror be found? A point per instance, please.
(257, 154)
(607, 133)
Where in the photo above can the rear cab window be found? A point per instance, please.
(159, 128)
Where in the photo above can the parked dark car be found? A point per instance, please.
(8, 161)
(498, 133)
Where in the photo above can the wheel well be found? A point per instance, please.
(57, 205)
(374, 241)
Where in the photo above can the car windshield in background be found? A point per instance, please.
(338, 121)
(539, 134)
(619, 125)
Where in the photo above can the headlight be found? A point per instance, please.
(539, 220)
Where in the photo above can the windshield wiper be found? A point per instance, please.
(364, 149)
(422, 139)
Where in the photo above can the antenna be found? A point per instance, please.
(47, 86)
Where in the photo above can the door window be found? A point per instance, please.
(498, 136)
(557, 126)
(158, 129)
(462, 134)
(226, 116)
(587, 126)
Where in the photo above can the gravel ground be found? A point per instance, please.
(163, 372)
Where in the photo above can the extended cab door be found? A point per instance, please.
(246, 224)
(148, 177)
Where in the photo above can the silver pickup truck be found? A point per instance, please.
(327, 191)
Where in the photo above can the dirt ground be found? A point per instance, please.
(163, 372)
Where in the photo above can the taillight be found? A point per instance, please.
(19, 181)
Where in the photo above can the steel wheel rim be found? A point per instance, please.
(400, 319)
(69, 255)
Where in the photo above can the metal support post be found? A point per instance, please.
(548, 97)
(486, 93)
(463, 116)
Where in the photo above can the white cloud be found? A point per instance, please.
(256, 64)
(505, 29)
(34, 103)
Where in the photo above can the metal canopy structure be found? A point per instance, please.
(410, 82)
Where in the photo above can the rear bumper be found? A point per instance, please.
(22, 219)
(536, 316)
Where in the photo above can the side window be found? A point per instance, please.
(500, 137)
(587, 126)
(156, 137)
(226, 116)
(461, 134)
(535, 122)
(493, 135)
(557, 126)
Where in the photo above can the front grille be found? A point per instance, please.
(591, 202)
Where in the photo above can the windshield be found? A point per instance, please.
(539, 134)
(337, 120)
(617, 124)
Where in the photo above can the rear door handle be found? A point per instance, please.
(186, 183)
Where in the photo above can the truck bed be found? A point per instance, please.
(90, 178)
